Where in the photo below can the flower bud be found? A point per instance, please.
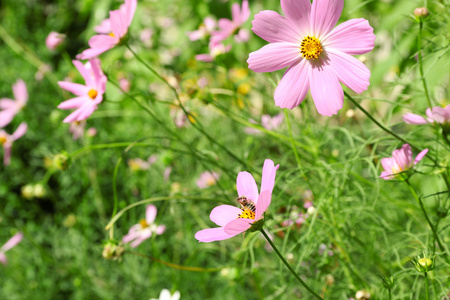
(27, 191)
(421, 12)
(423, 264)
(112, 250)
(61, 161)
(362, 295)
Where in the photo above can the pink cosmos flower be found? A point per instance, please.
(318, 56)
(77, 129)
(7, 141)
(54, 39)
(233, 220)
(436, 114)
(10, 108)
(272, 123)
(204, 30)
(88, 95)
(105, 26)
(144, 229)
(229, 27)
(11, 243)
(207, 179)
(401, 160)
(120, 20)
(214, 51)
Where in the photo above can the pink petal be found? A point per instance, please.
(349, 70)
(74, 88)
(294, 85)
(90, 53)
(273, 27)
(410, 118)
(102, 41)
(3, 259)
(130, 9)
(273, 57)
(238, 226)
(20, 91)
(104, 27)
(85, 73)
(352, 37)
(263, 203)
(420, 156)
(223, 214)
(204, 57)
(236, 12)
(388, 164)
(118, 25)
(7, 154)
(20, 131)
(133, 233)
(326, 90)
(142, 237)
(74, 103)
(403, 157)
(150, 213)
(268, 176)
(212, 234)
(246, 186)
(438, 114)
(324, 16)
(86, 111)
(298, 12)
(386, 176)
(245, 12)
(6, 103)
(12, 242)
(160, 229)
(210, 23)
(6, 116)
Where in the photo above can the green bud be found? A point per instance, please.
(113, 250)
(423, 264)
(61, 161)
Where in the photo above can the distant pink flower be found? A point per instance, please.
(91, 131)
(207, 179)
(77, 129)
(272, 123)
(233, 220)
(229, 27)
(137, 164)
(204, 31)
(214, 51)
(436, 114)
(318, 57)
(120, 20)
(401, 160)
(54, 39)
(124, 84)
(10, 108)
(11, 243)
(7, 141)
(144, 229)
(167, 173)
(88, 95)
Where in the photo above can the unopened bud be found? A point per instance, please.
(362, 295)
(421, 12)
(61, 161)
(112, 250)
(423, 264)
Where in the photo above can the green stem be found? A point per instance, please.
(433, 228)
(378, 123)
(390, 294)
(427, 292)
(294, 148)
(288, 265)
(421, 64)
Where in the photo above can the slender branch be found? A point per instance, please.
(419, 46)
(427, 292)
(288, 265)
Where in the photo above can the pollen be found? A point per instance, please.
(310, 48)
(112, 34)
(92, 94)
(246, 214)
(143, 223)
(2, 140)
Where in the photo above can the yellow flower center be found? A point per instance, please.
(2, 140)
(93, 94)
(143, 223)
(247, 214)
(396, 169)
(310, 47)
(112, 34)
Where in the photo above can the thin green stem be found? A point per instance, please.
(294, 148)
(378, 123)
(390, 294)
(432, 227)
(288, 265)
(427, 292)
(419, 46)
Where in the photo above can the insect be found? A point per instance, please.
(246, 203)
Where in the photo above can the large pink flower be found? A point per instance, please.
(229, 27)
(233, 220)
(401, 161)
(89, 95)
(436, 114)
(119, 21)
(9, 107)
(318, 56)
(11, 243)
(6, 141)
(144, 229)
